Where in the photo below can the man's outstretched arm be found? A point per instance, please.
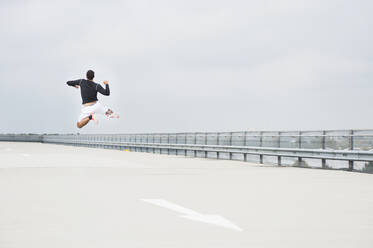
(103, 91)
(74, 83)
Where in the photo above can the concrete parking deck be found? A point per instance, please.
(61, 196)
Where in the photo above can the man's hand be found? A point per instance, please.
(76, 86)
(106, 82)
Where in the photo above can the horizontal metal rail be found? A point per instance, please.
(258, 131)
(239, 149)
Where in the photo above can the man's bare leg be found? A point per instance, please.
(83, 122)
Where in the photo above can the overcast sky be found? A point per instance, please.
(193, 65)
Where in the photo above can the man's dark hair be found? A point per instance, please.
(90, 74)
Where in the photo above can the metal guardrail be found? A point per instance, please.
(21, 137)
(297, 148)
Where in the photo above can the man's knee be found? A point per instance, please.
(78, 125)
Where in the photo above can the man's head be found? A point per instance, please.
(90, 75)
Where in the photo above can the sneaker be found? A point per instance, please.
(113, 116)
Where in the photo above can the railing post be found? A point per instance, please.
(205, 144)
(154, 146)
(323, 146)
(351, 139)
(323, 163)
(279, 140)
(168, 143)
(230, 138)
(160, 142)
(351, 162)
(195, 142)
(217, 143)
(350, 165)
(260, 139)
(244, 143)
(147, 143)
(279, 160)
(261, 158)
(300, 140)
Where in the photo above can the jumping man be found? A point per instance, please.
(91, 106)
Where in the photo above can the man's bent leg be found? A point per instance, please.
(83, 122)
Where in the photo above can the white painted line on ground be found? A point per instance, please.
(25, 154)
(8, 149)
(192, 215)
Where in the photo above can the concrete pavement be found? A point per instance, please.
(62, 196)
